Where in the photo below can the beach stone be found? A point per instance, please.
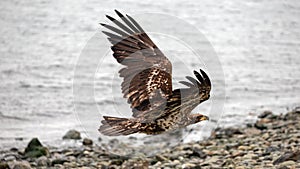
(57, 166)
(287, 164)
(265, 136)
(21, 165)
(283, 167)
(113, 141)
(4, 165)
(271, 149)
(14, 149)
(43, 161)
(140, 164)
(70, 164)
(161, 158)
(265, 114)
(189, 166)
(176, 162)
(244, 148)
(103, 164)
(228, 162)
(240, 167)
(87, 142)
(10, 157)
(72, 134)
(227, 132)
(35, 149)
(252, 131)
(232, 146)
(294, 156)
(248, 156)
(35, 142)
(198, 153)
(291, 115)
(132, 138)
(58, 161)
(117, 162)
(238, 153)
(180, 158)
(260, 126)
(211, 160)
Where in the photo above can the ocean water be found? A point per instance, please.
(257, 44)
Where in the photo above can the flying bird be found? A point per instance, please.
(147, 84)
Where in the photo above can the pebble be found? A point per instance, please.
(72, 134)
(4, 165)
(87, 142)
(21, 165)
(287, 163)
(42, 161)
(161, 158)
(244, 148)
(266, 114)
(188, 166)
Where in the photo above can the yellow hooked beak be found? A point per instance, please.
(204, 118)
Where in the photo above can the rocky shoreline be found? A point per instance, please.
(272, 142)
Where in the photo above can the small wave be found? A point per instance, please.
(2, 116)
(25, 85)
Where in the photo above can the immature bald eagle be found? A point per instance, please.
(147, 84)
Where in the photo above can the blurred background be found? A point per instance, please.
(257, 42)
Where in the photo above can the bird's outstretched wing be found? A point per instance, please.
(184, 100)
(147, 80)
(198, 89)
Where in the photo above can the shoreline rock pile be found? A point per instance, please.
(272, 142)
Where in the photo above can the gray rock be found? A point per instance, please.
(260, 126)
(43, 161)
(142, 164)
(35, 149)
(265, 114)
(87, 142)
(287, 164)
(161, 158)
(294, 156)
(58, 162)
(21, 165)
(198, 153)
(227, 132)
(10, 157)
(4, 165)
(113, 141)
(271, 149)
(189, 166)
(72, 134)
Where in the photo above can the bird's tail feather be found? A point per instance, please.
(115, 126)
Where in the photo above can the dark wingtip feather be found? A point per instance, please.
(110, 18)
(205, 76)
(199, 77)
(119, 13)
(136, 24)
(102, 24)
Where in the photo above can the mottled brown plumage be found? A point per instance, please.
(147, 84)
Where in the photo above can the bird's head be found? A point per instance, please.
(196, 118)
